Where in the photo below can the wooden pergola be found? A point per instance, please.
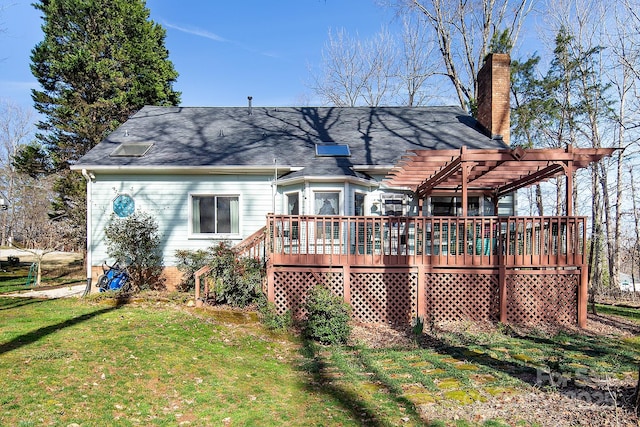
(493, 173)
(512, 269)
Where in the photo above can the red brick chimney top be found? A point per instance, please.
(494, 85)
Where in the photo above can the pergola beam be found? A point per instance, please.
(499, 171)
(528, 180)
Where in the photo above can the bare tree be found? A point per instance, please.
(464, 29)
(381, 70)
(417, 62)
(36, 231)
(16, 128)
(634, 250)
(379, 57)
(355, 72)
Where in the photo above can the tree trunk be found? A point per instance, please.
(539, 200)
(636, 219)
(636, 397)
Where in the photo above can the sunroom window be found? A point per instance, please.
(215, 214)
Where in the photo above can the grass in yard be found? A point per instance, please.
(628, 313)
(70, 361)
(13, 279)
(156, 362)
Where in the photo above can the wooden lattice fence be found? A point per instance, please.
(542, 297)
(452, 296)
(383, 296)
(392, 295)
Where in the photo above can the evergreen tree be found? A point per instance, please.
(100, 61)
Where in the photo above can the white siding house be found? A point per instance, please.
(212, 174)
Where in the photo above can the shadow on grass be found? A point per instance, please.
(10, 303)
(625, 325)
(324, 376)
(318, 367)
(33, 336)
(562, 372)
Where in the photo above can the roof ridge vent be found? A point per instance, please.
(249, 98)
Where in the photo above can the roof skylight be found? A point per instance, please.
(332, 150)
(138, 149)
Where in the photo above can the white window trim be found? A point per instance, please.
(230, 236)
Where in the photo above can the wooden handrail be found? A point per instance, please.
(200, 272)
(252, 246)
(441, 241)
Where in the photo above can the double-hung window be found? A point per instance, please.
(215, 214)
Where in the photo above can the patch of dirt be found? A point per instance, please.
(605, 404)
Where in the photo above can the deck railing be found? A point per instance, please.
(252, 246)
(438, 241)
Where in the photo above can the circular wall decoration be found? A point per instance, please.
(123, 205)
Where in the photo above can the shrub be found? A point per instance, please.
(271, 318)
(188, 262)
(135, 241)
(327, 316)
(237, 282)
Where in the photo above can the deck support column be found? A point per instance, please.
(346, 283)
(583, 296)
(271, 292)
(421, 303)
(568, 171)
(502, 291)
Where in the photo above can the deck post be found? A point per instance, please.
(502, 289)
(583, 296)
(422, 293)
(346, 283)
(271, 292)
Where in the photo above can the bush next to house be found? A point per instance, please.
(237, 281)
(188, 262)
(135, 242)
(328, 316)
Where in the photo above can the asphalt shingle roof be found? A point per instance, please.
(238, 136)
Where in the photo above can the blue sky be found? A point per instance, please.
(223, 50)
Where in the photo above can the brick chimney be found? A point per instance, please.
(494, 80)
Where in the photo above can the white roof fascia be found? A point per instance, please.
(187, 169)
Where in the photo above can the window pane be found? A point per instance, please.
(326, 203)
(203, 214)
(292, 204)
(473, 206)
(358, 209)
(444, 206)
(224, 214)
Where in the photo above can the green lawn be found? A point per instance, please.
(156, 362)
(628, 313)
(69, 361)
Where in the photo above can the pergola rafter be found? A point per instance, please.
(495, 172)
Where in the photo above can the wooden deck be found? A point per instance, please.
(393, 269)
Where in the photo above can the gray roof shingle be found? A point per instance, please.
(232, 136)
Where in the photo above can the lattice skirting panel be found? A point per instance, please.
(454, 296)
(537, 297)
(384, 296)
(390, 295)
(292, 284)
